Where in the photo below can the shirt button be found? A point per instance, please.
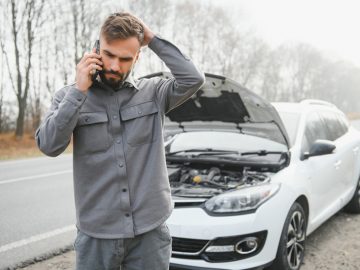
(139, 112)
(124, 190)
(127, 214)
(114, 116)
(121, 165)
(118, 141)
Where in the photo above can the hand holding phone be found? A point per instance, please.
(97, 51)
(88, 68)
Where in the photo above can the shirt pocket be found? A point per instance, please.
(141, 123)
(91, 133)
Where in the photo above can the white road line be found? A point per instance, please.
(36, 238)
(33, 177)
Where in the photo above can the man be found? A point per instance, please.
(122, 192)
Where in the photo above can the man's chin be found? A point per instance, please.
(111, 81)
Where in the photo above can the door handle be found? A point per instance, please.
(337, 164)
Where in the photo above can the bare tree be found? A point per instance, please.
(156, 14)
(1, 95)
(35, 96)
(85, 19)
(271, 75)
(338, 82)
(1, 78)
(302, 65)
(24, 20)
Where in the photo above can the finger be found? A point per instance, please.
(93, 55)
(90, 55)
(94, 67)
(93, 60)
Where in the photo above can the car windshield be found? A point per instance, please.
(220, 141)
(291, 123)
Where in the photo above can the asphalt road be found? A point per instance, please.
(37, 210)
(37, 213)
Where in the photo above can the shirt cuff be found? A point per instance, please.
(75, 96)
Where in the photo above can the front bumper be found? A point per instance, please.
(194, 223)
(186, 267)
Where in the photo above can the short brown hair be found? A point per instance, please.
(122, 25)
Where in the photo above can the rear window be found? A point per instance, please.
(335, 125)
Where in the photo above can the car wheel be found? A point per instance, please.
(290, 254)
(354, 205)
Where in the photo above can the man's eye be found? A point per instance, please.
(109, 55)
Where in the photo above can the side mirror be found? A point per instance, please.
(320, 147)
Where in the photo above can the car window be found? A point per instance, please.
(334, 127)
(314, 130)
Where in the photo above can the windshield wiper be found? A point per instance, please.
(204, 151)
(262, 153)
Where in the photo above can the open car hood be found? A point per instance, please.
(224, 104)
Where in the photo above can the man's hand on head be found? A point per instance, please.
(148, 34)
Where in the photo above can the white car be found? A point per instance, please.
(250, 183)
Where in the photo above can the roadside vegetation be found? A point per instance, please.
(12, 148)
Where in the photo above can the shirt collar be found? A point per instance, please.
(131, 80)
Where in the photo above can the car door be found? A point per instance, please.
(345, 148)
(344, 163)
(319, 171)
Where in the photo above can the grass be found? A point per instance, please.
(354, 115)
(11, 148)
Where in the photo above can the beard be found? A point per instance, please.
(112, 81)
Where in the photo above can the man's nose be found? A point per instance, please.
(115, 65)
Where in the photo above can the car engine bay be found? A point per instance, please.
(206, 181)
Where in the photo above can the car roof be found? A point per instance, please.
(305, 106)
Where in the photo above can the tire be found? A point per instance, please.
(290, 253)
(353, 206)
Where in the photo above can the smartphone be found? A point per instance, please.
(97, 50)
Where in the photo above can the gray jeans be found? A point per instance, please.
(148, 251)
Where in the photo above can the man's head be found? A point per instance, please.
(121, 37)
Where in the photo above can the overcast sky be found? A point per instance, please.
(330, 25)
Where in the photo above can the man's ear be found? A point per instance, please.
(137, 56)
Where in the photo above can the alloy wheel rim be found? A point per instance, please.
(296, 240)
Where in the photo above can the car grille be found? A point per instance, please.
(188, 246)
(195, 249)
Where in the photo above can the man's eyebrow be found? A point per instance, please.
(122, 58)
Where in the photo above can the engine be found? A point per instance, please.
(208, 182)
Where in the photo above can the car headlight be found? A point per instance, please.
(244, 199)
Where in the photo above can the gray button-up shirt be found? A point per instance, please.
(121, 183)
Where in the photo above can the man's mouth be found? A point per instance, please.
(113, 74)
